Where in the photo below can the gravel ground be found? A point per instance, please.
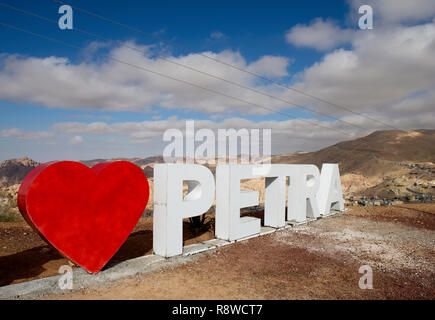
(320, 260)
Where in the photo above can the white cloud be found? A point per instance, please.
(76, 140)
(387, 72)
(270, 66)
(383, 69)
(287, 136)
(387, 12)
(319, 34)
(22, 134)
(58, 83)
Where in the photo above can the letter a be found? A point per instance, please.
(330, 194)
(366, 21)
(66, 21)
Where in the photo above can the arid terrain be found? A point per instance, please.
(315, 261)
(384, 164)
(320, 260)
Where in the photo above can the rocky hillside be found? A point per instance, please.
(364, 153)
(385, 163)
(13, 171)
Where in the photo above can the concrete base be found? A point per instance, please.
(217, 243)
(196, 248)
(329, 214)
(249, 237)
(334, 212)
(267, 230)
(294, 223)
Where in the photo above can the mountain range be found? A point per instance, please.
(383, 163)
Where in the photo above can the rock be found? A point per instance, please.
(13, 171)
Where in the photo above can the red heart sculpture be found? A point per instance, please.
(86, 214)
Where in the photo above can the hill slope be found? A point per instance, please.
(361, 154)
(387, 159)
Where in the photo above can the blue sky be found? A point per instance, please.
(254, 28)
(247, 31)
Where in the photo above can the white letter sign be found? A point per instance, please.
(229, 200)
(170, 208)
(310, 194)
(330, 194)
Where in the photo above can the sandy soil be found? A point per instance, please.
(316, 261)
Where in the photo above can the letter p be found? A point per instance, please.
(170, 207)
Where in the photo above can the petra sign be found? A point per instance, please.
(310, 194)
(87, 214)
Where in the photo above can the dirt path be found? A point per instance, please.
(317, 261)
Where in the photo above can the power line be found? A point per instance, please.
(188, 67)
(174, 44)
(168, 77)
